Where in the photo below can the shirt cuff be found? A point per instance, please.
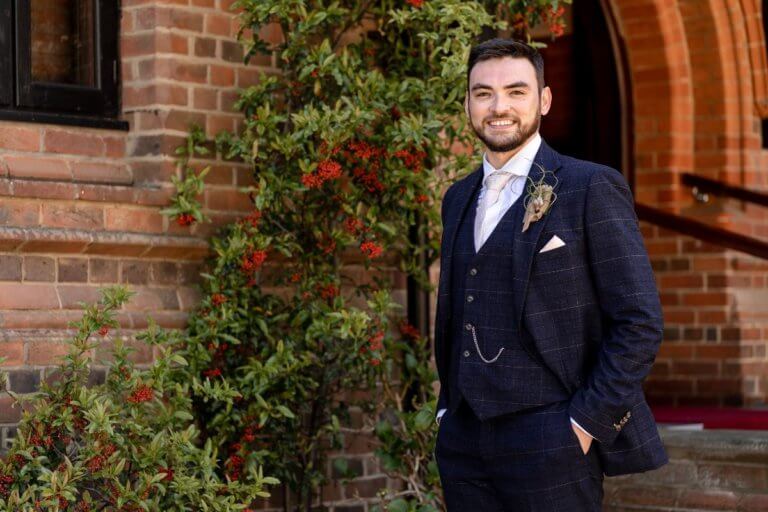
(440, 415)
(579, 427)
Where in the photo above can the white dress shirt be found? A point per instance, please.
(520, 165)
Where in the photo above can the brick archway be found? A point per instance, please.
(659, 82)
(739, 39)
(722, 87)
(696, 72)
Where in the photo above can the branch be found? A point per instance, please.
(351, 23)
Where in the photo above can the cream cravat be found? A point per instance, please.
(494, 184)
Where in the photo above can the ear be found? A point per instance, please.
(466, 104)
(546, 100)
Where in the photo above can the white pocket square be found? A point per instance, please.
(553, 243)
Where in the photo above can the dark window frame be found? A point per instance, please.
(22, 99)
(6, 54)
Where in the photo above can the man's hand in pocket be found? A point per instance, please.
(585, 440)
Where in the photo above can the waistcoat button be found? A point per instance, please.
(466, 353)
(470, 298)
(468, 327)
(473, 272)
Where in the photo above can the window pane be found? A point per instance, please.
(63, 41)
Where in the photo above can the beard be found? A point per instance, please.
(504, 143)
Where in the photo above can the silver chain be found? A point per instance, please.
(477, 347)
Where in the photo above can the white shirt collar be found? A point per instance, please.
(520, 163)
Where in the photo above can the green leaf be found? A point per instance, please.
(383, 429)
(179, 359)
(263, 326)
(285, 411)
(398, 505)
(341, 465)
(183, 415)
(423, 420)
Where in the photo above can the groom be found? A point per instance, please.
(548, 317)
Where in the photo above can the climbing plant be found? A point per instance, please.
(351, 143)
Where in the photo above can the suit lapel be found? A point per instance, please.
(454, 213)
(526, 243)
(464, 195)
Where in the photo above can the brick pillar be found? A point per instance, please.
(182, 66)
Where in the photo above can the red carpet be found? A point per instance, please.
(714, 418)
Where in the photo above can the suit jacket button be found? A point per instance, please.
(466, 353)
(473, 272)
(468, 327)
(470, 298)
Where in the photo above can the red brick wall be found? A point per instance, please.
(697, 110)
(79, 207)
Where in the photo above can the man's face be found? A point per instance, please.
(503, 105)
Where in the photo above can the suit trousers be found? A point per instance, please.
(529, 461)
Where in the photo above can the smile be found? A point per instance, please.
(501, 123)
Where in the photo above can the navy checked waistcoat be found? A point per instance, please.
(480, 300)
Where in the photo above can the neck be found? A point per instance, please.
(499, 159)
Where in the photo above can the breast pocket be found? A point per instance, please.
(560, 257)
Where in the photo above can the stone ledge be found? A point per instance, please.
(724, 470)
(155, 195)
(747, 446)
(74, 241)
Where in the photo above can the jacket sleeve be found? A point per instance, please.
(629, 301)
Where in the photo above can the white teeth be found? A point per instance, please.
(501, 123)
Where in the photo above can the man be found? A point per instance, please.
(548, 317)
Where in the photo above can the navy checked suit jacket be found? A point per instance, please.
(589, 310)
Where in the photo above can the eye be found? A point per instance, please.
(482, 95)
(517, 92)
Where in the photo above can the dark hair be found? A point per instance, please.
(498, 48)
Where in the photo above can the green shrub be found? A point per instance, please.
(126, 445)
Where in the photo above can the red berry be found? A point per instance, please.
(185, 219)
(142, 393)
(371, 249)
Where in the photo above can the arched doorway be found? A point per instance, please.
(589, 113)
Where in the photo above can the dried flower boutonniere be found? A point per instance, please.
(540, 198)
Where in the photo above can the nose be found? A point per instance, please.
(499, 106)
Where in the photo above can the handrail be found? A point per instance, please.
(723, 189)
(702, 231)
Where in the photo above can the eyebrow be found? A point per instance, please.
(515, 85)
